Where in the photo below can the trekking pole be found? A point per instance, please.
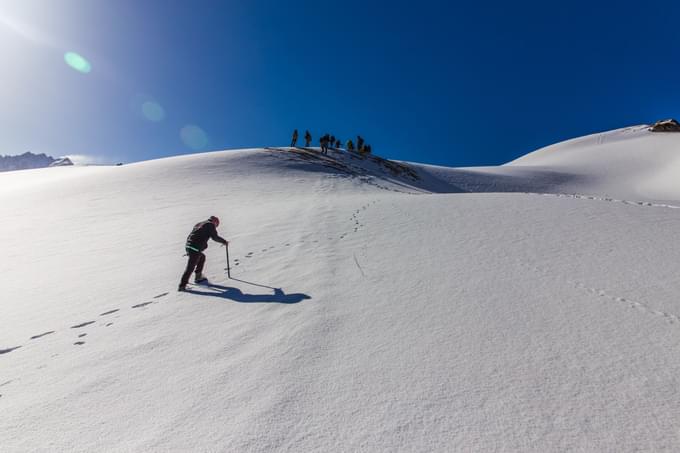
(228, 268)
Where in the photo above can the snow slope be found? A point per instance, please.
(628, 163)
(365, 312)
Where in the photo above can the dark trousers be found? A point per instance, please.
(196, 262)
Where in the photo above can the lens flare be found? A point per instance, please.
(77, 62)
(152, 111)
(194, 137)
(147, 108)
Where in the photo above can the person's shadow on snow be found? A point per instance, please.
(235, 294)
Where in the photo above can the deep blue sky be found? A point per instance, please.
(459, 84)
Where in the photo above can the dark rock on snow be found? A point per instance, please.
(669, 125)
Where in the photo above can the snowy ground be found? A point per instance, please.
(528, 307)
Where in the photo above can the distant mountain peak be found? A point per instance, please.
(29, 160)
(61, 162)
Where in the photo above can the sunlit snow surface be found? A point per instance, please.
(528, 307)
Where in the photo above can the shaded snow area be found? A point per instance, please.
(373, 306)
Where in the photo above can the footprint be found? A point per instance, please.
(109, 324)
(79, 343)
(144, 304)
(82, 335)
(8, 350)
(160, 295)
(109, 312)
(35, 337)
(78, 326)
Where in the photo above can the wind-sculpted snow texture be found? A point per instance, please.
(371, 309)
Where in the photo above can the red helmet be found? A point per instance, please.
(215, 220)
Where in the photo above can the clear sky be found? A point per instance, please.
(444, 82)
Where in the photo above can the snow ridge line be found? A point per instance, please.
(608, 199)
(640, 306)
(350, 170)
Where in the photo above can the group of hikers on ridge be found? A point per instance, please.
(331, 141)
(202, 232)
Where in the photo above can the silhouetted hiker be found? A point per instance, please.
(323, 141)
(308, 139)
(350, 145)
(294, 140)
(338, 143)
(360, 143)
(332, 142)
(196, 243)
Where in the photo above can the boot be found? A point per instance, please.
(200, 278)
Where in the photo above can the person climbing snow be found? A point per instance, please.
(308, 139)
(196, 243)
(294, 140)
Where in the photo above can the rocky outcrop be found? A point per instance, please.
(669, 125)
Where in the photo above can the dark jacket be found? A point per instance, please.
(198, 238)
